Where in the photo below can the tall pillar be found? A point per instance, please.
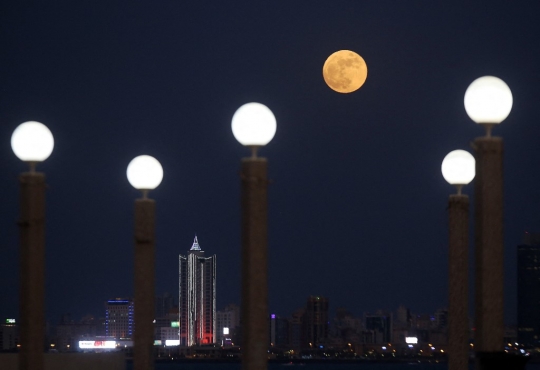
(32, 270)
(254, 310)
(458, 282)
(488, 192)
(143, 357)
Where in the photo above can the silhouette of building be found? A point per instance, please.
(9, 335)
(315, 322)
(197, 297)
(378, 327)
(295, 329)
(528, 290)
(163, 305)
(345, 328)
(402, 317)
(279, 331)
(119, 318)
(69, 332)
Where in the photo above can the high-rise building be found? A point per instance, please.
(528, 290)
(402, 317)
(295, 329)
(315, 322)
(380, 326)
(119, 318)
(279, 331)
(163, 305)
(197, 297)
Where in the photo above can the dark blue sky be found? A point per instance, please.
(357, 202)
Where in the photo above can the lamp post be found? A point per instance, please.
(488, 101)
(458, 169)
(32, 142)
(254, 125)
(144, 173)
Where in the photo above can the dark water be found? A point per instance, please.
(329, 366)
(377, 366)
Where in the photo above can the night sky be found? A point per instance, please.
(357, 204)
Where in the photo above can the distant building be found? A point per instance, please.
(315, 322)
(378, 327)
(528, 291)
(441, 319)
(170, 323)
(227, 323)
(402, 317)
(69, 333)
(163, 305)
(9, 335)
(168, 333)
(295, 329)
(345, 328)
(197, 297)
(119, 318)
(279, 331)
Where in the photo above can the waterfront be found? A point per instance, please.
(316, 366)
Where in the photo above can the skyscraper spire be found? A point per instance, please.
(195, 246)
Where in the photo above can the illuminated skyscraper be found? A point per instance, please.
(197, 297)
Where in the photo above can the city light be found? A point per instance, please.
(172, 342)
(91, 344)
(411, 340)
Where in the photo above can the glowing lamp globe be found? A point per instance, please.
(488, 100)
(144, 172)
(253, 124)
(458, 167)
(32, 142)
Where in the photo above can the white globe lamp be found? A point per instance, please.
(32, 142)
(458, 168)
(144, 173)
(254, 125)
(488, 101)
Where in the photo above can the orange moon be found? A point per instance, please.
(345, 71)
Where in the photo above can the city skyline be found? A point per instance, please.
(357, 202)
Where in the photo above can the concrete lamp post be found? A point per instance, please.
(458, 168)
(144, 173)
(254, 125)
(32, 142)
(488, 101)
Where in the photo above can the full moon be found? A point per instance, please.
(345, 71)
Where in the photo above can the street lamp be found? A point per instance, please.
(488, 101)
(458, 168)
(32, 142)
(144, 173)
(254, 125)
